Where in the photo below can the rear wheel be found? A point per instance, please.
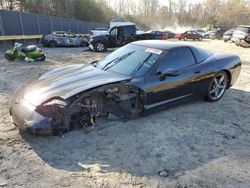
(100, 46)
(41, 58)
(200, 38)
(217, 87)
(185, 38)
(9, 57)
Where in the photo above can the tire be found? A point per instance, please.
(200, 38)
(217, 87)
(100, 46)
(185, 38)
(9, 57)
(52, 44)
(41, 58)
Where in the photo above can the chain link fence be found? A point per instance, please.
(18, 23)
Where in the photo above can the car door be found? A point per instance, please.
(114, 34)
(181, 84)
(195, 35)
(189, 35)
(129, 33)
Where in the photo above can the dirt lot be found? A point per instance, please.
(196, 144)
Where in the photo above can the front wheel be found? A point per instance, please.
(100, 46)
(217, 87)
(9, 57)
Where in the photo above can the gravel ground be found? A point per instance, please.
(195, 144)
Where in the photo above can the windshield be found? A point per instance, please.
(130, 60)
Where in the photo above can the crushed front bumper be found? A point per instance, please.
(24, 116)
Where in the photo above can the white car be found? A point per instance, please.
(240, 33)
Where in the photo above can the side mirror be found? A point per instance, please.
(168, 72)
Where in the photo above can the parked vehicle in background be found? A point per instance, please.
(117, 36)
(63, 39)
(189, 35)
(98, 31)
(162, 35)
(170, 34)
(207, 34)
(217, 34)
(202, 32)
(159, 35)
(246, 42)
(25, 53)
(227, 36)
(240, 33)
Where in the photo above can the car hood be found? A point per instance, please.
(68, 81)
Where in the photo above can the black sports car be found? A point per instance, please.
(135, 78)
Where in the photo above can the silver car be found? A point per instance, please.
(240, 33)
(63, 38)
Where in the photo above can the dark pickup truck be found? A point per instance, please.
(116, 37)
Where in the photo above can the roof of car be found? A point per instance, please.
(158, 44)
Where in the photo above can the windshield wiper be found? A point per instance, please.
(117, 60)
(109, 63)
(94, 63)
(140, 65)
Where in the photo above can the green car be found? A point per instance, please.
(28, 54)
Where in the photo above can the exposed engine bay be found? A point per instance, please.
(81, 111)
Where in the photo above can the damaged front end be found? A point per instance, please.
(111, 101)
(57, 116)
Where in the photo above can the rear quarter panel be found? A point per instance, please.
(222, 62)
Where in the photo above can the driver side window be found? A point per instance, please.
(177, 59)
(113, 32)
